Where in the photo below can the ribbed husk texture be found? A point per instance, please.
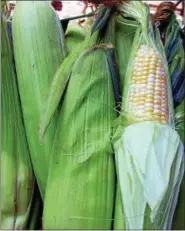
(82, 170)
(17, 180)
(124, 40)
(176, 62)
(39, 50)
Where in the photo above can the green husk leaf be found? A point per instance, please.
(17, 179)
(83, 157)
(39, 50)
(59, 84)
(149, 154)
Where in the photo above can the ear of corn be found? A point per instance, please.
(16, 174)
(148, 152)
(39, 50)
(85, 151)
(84, 157)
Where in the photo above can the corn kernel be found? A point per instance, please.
(157, 102)
(149, 100)
(148, 110)
(157, 112)
(158, 93)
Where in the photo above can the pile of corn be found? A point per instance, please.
(92, 120)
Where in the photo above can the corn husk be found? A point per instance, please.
(39, 50)
(84, 157)
(74, 35)
(17, 179)
(176, 61)
(124, 39)
(148, 154)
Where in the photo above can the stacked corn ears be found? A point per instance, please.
(39, 50)
(17, 179)
(108, 138)
(149, 151)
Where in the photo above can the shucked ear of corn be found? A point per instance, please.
(149, 152)
(39, 50)
(17, 180)
(176, 62)
(83, 157)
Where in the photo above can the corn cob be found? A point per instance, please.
(39, 50)
(17, 180)
(149, 151)
(148, 100)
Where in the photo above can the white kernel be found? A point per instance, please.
(163, 109)
(157, 111)
(158, 81)
(151, 81)
(157, 107)
(149, 105)
(157, 97)
(157, 89)
(151, 76)
(150, 91)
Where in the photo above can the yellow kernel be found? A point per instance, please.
(157, 112)
(163, 113)
(163, 121)
(157, 76)
(163, 105)
(142, 97)
(148, 109)
(149, 100)
(150, 97)
(157, 117)
(158, 93)
(144, 77)
(141, 103)
(144, 73)
(158, 102)
(151, 72)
